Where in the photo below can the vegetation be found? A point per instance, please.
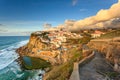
(112, 74)
(41, 34)
(86, 34)
(112, 34)
(37, 63)
(83, 40)
(63, 71)
(73, 41)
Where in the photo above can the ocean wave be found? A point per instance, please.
(8, 55)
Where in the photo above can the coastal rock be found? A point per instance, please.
(50, 46)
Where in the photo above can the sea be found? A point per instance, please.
(10, 69)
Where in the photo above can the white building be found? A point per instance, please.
(95, 35)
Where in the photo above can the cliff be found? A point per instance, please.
(62, 49)
(50, 46)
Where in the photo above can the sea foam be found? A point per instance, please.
(8, 55)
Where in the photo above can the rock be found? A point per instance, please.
(40, 47)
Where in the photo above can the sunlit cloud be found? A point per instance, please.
(103, 17)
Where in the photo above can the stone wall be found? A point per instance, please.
(75, 74)
(110, 49)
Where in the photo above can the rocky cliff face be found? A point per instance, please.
(110, 48)
(50, 46)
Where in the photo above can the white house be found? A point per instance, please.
(94, 35)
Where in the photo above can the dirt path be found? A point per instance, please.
(90, 70)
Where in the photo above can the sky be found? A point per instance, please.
(21, 17)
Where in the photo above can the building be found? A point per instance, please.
(97, 34)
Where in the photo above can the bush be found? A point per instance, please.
(84, 40)
(37, 63)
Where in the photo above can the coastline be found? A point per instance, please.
(59, 48)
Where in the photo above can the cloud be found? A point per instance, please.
(7, 33)
(21, 25)
(1, 25)
(82, 10)
(26, 22)
(67, 24)
(99, 19)
(28, 33)
(3, 30)
(47, 25)
(112, 23)
(15, 34)
(74, 2)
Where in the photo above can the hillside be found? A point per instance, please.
(55, 52)
(111, 34)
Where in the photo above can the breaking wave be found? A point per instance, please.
(8, 55)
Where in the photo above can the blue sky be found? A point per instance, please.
(20, 16)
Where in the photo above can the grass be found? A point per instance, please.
(112, 74)
(37, 63)
(63, 71)
(83, 40)
(112, 34)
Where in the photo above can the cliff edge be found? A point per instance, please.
(50, 46)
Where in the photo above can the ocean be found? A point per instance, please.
(9, 67)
